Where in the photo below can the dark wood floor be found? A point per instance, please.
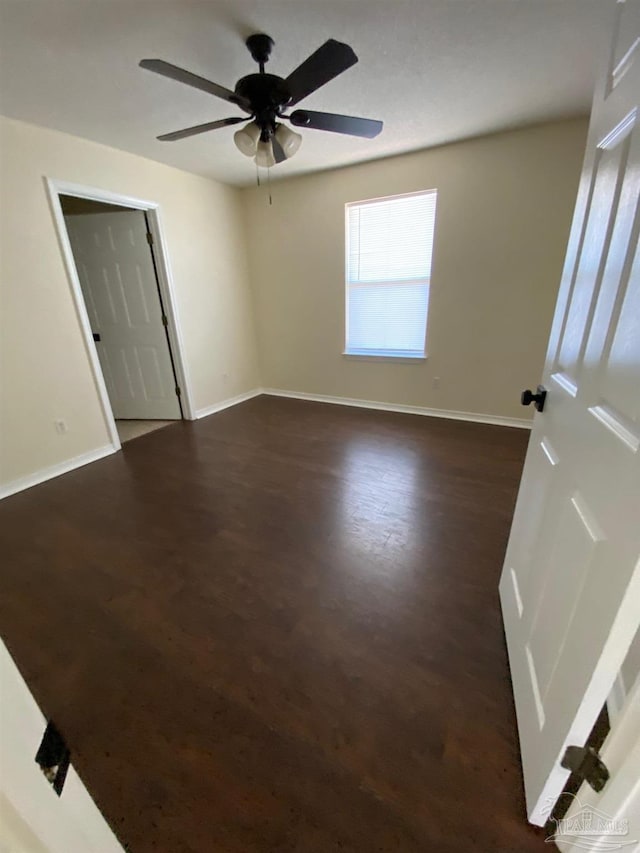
(277, 629)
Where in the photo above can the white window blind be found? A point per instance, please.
(389, 250)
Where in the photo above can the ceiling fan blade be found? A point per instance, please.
(200, 128)
(335, 123)
(166, 69)
(329, 60)
(278, 151)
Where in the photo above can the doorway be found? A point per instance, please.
(121, 284)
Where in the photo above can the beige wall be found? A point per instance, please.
(504, 210)
(45, 370)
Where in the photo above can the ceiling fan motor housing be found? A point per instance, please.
(267, 95)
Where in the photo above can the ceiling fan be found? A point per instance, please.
(265, 97)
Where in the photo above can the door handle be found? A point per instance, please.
(527, 397)
(96, 337)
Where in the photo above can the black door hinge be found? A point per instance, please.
(178, 391)
(54, 757)
(586, 764)
(150, 238)
(165, 320)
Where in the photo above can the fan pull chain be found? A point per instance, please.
(257, 174)
(269, 184)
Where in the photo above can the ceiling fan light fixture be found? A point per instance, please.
(264, 155)
(246, 140)
(289, 140)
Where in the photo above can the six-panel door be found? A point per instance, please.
(570, 587)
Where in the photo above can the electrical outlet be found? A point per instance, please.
(436, 381)
(61, 427)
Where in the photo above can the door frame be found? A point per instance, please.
(55, 188)
(72, 822)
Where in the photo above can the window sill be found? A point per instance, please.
(401, 359)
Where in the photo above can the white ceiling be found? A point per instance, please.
(433, 70)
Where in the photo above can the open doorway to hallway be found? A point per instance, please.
(112, 250)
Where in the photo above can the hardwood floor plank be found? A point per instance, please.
(278, 629)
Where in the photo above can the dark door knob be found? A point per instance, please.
(96, 337)
(528, 397)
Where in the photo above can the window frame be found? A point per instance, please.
(388, 354)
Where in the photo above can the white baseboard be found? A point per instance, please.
(52, 471)
(49, 473)
(520, 423)
(225, 404)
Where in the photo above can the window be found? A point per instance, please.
(389, 249)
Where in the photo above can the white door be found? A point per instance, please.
(33, 818)
(570, 588)
(117, 275)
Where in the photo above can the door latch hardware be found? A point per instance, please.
(54, 757)
(527, 397)
(585, 762)
(96, 337)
